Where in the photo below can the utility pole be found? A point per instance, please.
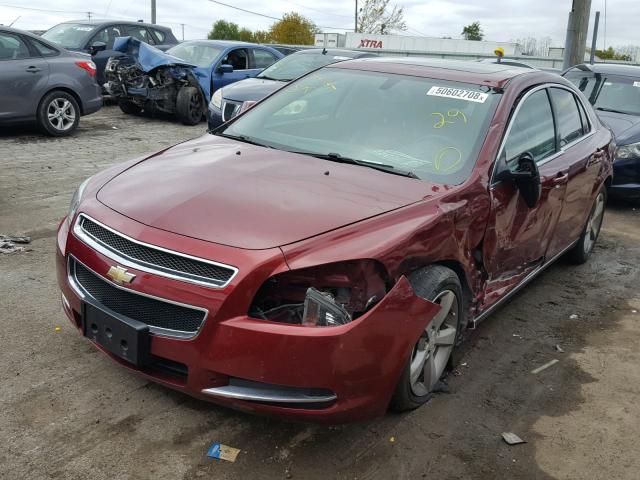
(356, 18)
(595, 38)
(182, 25)
(153, 11)
(577, 28)
(89, 15)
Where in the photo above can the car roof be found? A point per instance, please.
(495, 75)
(340, 52)
(223, 43)
(610, 68)
(99, 22)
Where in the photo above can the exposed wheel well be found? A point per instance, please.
(66, 90)
(608, 181)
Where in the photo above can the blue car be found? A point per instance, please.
(181, 80)
(228, 102)
(614, 91)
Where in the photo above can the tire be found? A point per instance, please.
(189, 105)
(58, 114)
(440, 285)
(581, 252)
(129, 108)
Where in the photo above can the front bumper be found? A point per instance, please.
(330, 375)
(626, 178)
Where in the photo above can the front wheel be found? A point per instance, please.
(581, 252)
(129, 108)
(189, 105)
(431, 354)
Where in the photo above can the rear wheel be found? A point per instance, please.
(189, 106)
(581, 252)
(432, 353)
(58, 113)
(129, 108)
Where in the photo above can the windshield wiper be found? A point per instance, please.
(243, 138)
(613, 110)
(266, 77)
(336, 157)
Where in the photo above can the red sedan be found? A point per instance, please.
(320, 255)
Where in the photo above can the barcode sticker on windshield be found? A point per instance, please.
(636, 84)
(459, 93)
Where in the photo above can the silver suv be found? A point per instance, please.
(43, 83)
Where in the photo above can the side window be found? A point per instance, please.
(12, 47)
(262, 58)
(584, 118)
(159, 36)
(567, 115)
(238, 59)
(44, 50)
(108, 35)
(531, 131)
(140, 33)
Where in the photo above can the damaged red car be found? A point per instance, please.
(319, 256)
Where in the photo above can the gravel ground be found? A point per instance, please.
(66, 411)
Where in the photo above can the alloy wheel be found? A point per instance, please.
(61, 114)
(431, 354)
(594, 223)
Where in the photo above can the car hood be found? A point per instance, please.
(149, 58)
(251, 197)
(251, 89)
(626, 128)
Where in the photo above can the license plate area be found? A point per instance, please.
(124, 337)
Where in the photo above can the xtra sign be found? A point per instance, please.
(366, 43)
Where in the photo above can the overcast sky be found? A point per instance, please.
(510, 20)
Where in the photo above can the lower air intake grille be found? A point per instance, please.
(153, 312)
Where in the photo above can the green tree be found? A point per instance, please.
(223, 30)
(473, 32)
(293, 29)
(245, 35)
(260, 36)
(611, 54)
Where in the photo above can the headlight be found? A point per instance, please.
(323, 296)
(216, 99)
(75, 201)
(628, 151)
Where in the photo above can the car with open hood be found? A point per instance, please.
(614, 91)
(319, 256)
(181, 80)
(227, 102)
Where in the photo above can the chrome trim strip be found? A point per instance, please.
(273, 395)
(166, 332)
(515, 114)
(119, 257)
(520, 286)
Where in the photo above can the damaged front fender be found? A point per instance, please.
(360, 362)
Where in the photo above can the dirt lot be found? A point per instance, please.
(66, 411)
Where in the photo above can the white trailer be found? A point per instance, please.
(401, 43)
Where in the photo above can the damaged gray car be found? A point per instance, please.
(180, 81)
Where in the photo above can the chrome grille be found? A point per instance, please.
(161, 316)
(153, 259)
(230, 110)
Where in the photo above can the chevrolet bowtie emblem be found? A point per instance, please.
(120, 275)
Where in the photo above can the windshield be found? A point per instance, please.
(432, 128)
(199, 54)
(610, 92)
(296, 65)
(69, 35)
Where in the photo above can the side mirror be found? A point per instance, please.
(527, 179)
(226, 68)
(97, 47)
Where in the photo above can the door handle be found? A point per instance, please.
(560, 179)
(32, 69)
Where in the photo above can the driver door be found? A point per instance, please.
(238, 58)
(517, 235)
